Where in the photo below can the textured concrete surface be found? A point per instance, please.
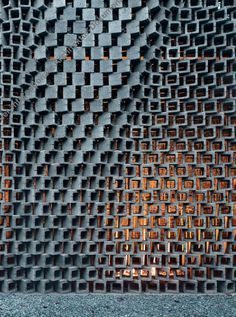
(14, 305)
(117, 146)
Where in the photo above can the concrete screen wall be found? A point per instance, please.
(118, 146)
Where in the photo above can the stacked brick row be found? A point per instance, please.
(118, 146)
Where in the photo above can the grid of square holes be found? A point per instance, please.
(118, 163)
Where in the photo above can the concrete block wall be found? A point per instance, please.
(117, 146)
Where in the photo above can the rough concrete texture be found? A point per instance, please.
(117, 147)
(15, 305)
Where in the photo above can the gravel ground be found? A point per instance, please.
(55, 305)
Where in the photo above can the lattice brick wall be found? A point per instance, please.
(118, 145)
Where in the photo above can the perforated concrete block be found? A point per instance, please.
(117, 146)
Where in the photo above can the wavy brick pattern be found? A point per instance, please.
(118, 146)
